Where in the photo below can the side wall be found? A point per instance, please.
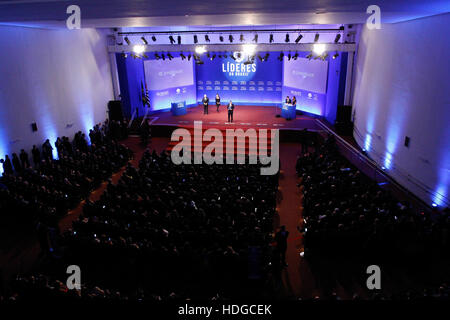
(402, 88)
(59, 79)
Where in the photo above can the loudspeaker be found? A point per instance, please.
(115, 110)
(407, 140)
(344, 114)
(34, 127)
(343, 124)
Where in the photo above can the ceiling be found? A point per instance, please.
(141, 13)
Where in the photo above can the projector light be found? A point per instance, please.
(319, 48)
(271, 38)
(298, 38)
(249, 49)
(200, 49)
(138, 48)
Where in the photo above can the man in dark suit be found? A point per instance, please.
(205, 101)
(230, 108)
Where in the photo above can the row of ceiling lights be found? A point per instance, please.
(230, 38)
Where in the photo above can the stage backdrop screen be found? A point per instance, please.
(169, 81)
(257, 83)
(307, 81)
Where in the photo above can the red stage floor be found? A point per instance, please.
(244, 116)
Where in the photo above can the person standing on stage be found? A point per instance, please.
(230, 109)
(217, 102)
(288, 100)
(294, 101)
(205, 101)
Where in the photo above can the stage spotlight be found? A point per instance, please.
(144, 41)
(127, 40)
(295, 56)
(213, 56)
(289, 56)
(172, 40)
(335, 55)
(281, 56)
(241, 38)
(138, 48)
(124, 55)
(221, 38)
(249, 49)
(260, 58)
(309, 56)
(207, 38)
(324, 56)
(316, 37)
(157, 57)
(319, 48)
(266, 57)
(287, 38)
(255, 38)
(208, 55)
(225, 55)
(230, 37)
(189, 57)
(298, 38)
(248, 61)
(163, 56)
(179, 39)
(144, 56)
(200, 49)
(153, 38)
(232, 57)
(195, 39)
(271, 38)
(338, 36)
(169, 56)
(183, 57)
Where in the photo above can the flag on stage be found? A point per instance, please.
(145, 98)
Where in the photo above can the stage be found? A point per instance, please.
(257, 117)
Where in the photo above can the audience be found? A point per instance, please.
(53, 186)
(347, 214)
(173, 224)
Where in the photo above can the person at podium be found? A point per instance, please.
(217, 102)
(205, 101)
(294, 101)
(288, 100)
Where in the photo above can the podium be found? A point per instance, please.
(178, 108)
(288, 111)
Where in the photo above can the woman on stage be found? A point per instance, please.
(294, 101)
(217, 102)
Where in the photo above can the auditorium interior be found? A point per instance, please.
(174, 151)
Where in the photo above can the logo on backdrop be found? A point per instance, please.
(237, 68)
